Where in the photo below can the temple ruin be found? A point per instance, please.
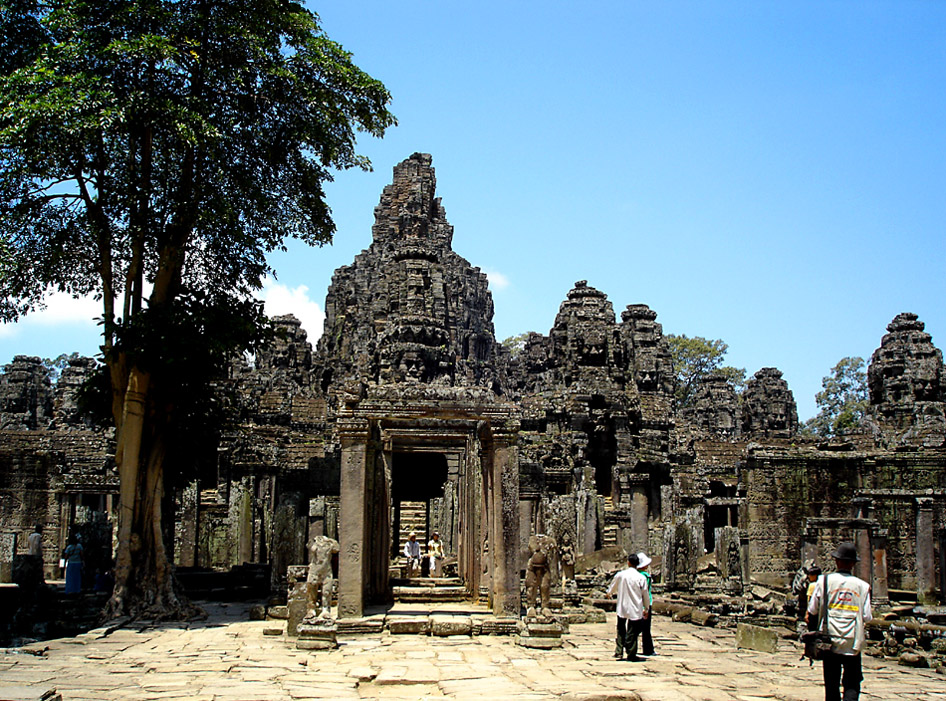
(409, 415)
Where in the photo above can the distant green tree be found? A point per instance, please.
(843, 400)
(55, 366)
(516, 344)
(695, 358)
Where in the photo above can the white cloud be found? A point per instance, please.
(60, 309)
(497, 280)
(279, 299)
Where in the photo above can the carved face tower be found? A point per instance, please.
(409, 309)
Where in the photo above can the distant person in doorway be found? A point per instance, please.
(34, 542)
(647, 640)
(630, 587)
(435, 553)
(73, 558)
(412, 554)
(848, 610)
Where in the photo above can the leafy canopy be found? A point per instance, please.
(189, 137)
(843, 400)
(695, 358)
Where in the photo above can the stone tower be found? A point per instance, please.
(769, 406)
(907, 383)
(409, 309)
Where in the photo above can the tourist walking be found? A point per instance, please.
(630, 587)
(435, 553)
(848, 609)
(73, 558)
(647, 640)
(412, 553)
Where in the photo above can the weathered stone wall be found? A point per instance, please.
(56, 469)
(595, 447)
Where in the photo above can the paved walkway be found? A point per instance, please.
(227, 658)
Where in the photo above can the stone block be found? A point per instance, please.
(322, 635)
(443, 626)
(749, 637)
(538, 643)
(409, 624)
(258, 613)
(278, 612)
(273, 631)
(7, 551)
(914, 659)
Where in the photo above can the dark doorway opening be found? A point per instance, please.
(721, 510)
(416, 478)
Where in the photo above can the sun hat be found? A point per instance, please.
(644, 560)
(846, 551)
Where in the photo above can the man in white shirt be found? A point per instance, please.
(848, 610)
(35, 541)
(412, 553)
(630, 586)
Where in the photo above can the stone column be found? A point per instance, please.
(505, 524)
(862, 541)
(353, 434)
(639, 485)
(879, 589)
(925, 558)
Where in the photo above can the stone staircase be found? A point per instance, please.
(609, 534)
(414, 519)
(428, 590)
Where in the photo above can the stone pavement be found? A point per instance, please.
(228, 658)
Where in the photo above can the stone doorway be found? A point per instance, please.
(461, 461)
(423, 496)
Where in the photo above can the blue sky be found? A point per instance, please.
(770, 174)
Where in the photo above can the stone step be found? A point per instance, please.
(360, 626)
(430, 582)
(430, 594)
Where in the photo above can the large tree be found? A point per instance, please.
(152, 153)
(695, 358)
(842, 401)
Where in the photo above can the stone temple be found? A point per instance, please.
(409, 415)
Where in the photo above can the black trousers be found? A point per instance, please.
(647, 641)
(629, 630)
(842, 671)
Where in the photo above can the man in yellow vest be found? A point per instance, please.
(848, 610)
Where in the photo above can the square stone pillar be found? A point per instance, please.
(504, 524)
(879, 592)
(925, 556)
(639, 487)
(352, 526)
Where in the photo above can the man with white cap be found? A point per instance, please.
(412, 553)
(647, 641)
(630, 586)
(848, 609)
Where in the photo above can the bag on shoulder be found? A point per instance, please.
(818, 642)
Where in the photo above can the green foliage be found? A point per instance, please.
(695, 358)
(55, 366)
(842, 401)
(205, 131)
(516, 344)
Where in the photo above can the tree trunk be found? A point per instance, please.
(144, 582)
